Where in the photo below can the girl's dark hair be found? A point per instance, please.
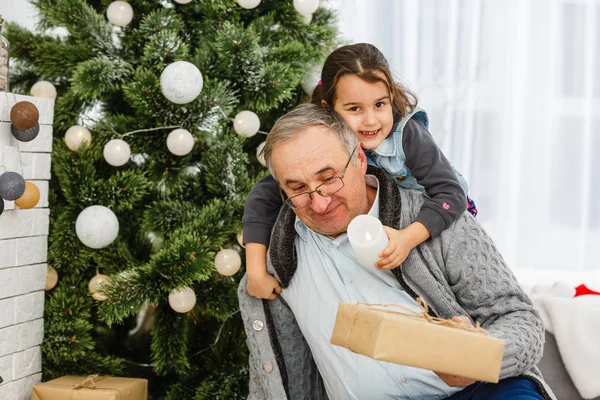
(363, 60)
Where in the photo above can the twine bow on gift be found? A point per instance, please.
(423, 315)
(88, 383)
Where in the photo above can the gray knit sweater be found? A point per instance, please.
(459, 272)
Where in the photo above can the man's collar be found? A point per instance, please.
(282, 252)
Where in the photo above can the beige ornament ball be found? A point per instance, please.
(51, 278)
(248, 4)
(43, 89)
(96, 280)
(246, 123)
(182, 299)
(76, 136)
(180, 142)
(183, 1)
(117, 152)
(30, 197)
(119, 13)
(240, 238)
(228, 262)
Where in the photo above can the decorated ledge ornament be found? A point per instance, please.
(182, 299)
(1, 205)
(119, 13)
(97, 226)
(43, 89)
(26, 135)
(246, 123)
(228, 262)
(76, 136)
(248, 4)
(117, 152)
(24, 115)
(180, 142)
(259, 155)
(97, 280)
(51, 278)
(30, 197)
(181, 82)
(12, 186)
(306, 7)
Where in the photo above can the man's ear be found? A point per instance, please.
(362, 159)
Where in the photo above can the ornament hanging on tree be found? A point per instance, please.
(307, 18)
(119, 13)
(117, 152)
(180, 142)
(43, 89)
(51, 278)
(76, 136)
(181, 82)
(92, 286)
(24, 115)
(246, 123)
(240, 238)
(228, 262)
(97, 226)
(12, 185)
(26, 135)
(183, 1)
(259, 155)
(248, 4)
(182, 299)
(306, 7)
(30, 197)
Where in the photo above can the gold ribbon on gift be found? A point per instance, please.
(88, 383)
(422, 315)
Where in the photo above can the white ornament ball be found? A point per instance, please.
(182, 299)
(43, 89)
(117, 152)
(183, 1)
(96, 280)
(180, 142)
(248, 4)
(259, 155)
(97, 226)
(307, 18)
(181, 82)
(246, 123)
(311, 79)
(228, 262)
(306, 7)
(76, 136)
(119, 13)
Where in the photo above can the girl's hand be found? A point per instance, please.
(263, 286)
(397, 249)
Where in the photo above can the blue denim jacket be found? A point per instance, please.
(390, 155)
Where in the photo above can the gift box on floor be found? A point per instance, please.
(93, 387)
(418, 340)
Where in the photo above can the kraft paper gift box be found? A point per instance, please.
(91, 388)
(418, 341)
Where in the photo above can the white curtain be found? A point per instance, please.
(512, 88)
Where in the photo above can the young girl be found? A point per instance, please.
(356, 82)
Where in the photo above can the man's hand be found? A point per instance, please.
(453, 380)
(263, 286)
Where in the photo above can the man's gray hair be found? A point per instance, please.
(301, 118)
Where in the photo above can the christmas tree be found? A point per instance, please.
(157, 109)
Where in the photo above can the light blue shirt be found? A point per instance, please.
(328, 273)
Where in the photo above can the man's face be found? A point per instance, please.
(312, 158)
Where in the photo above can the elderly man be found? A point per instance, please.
(323, 171)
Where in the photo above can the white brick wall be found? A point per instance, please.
(23, 254)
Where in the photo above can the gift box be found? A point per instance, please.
(93, 387)
(418, 340)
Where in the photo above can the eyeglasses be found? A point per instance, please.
(325, 189)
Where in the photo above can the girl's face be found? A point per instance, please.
(366, 107)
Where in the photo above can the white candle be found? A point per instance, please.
(367, 238)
